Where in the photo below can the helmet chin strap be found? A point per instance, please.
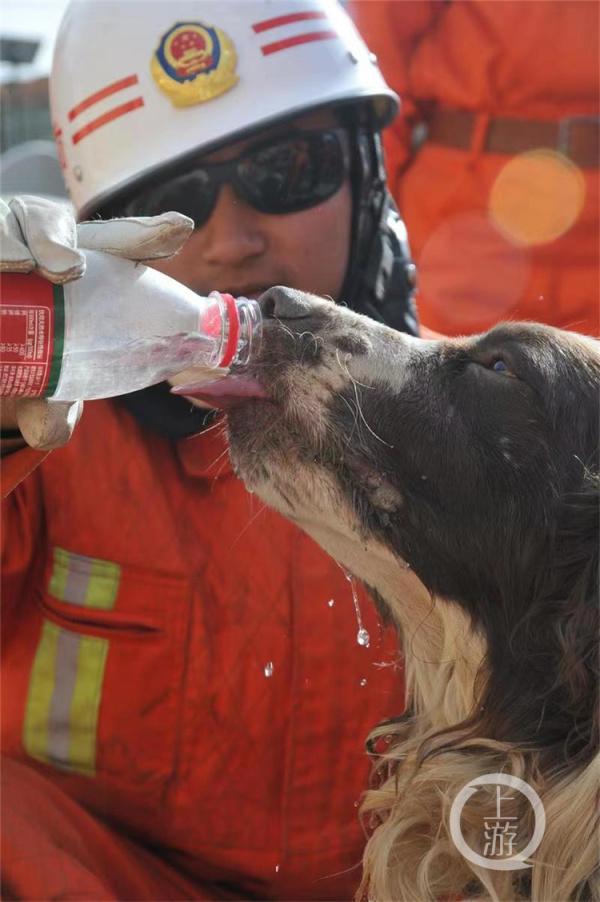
(380, 278)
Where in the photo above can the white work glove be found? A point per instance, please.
(42, 235)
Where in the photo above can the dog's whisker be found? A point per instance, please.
(354, 411)
(373, 433)
(247, 526)
(287, 330)
(222, 460)
(355, 385)
(352, 378)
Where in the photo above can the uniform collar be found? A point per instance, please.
(198, 435)
(164, 414)
(206, 455)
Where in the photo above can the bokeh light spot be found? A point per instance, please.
(537, 197)
(470, 275)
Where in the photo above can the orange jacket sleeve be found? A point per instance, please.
(21, 526)
(15, 467)
(392, 29)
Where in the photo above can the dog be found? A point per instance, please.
(458, 479)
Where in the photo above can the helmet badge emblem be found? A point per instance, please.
(194, 63)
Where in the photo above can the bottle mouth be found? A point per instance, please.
(233, 321)
(245, 331)
(235, 324)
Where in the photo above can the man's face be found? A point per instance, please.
(243, 251)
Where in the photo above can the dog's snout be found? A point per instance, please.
(287, 303)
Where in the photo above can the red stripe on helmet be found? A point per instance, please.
(287, 20)
(107, 117)
(120, 85)
(276, 46)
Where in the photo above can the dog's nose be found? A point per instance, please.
(286, 303)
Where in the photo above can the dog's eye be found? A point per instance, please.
(500, 366)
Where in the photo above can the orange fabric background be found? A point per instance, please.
(516, 59)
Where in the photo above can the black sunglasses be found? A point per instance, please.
(281, 175)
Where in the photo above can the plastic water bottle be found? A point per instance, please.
(121, 327)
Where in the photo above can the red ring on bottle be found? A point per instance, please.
(233, 330)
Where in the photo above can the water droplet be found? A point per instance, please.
(276, 868)
(363, 682)
(268, 669)
(331, 602)
(362, 636)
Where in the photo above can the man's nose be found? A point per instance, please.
(233, 233)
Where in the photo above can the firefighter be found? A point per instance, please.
(184, 699)
(495, 156)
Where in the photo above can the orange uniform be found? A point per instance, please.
(501, 200)
(182, 664)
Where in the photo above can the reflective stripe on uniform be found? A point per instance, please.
(61, 714)
(66, 679)
(77, 579)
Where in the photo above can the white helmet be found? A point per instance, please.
(138, 84)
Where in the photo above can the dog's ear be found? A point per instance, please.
(542, 685)
(578, 629)
(567, 605)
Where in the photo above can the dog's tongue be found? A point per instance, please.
(228, 391)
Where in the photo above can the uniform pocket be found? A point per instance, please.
(104, 687)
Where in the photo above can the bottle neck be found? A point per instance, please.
(250, 331)
(242, 320)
